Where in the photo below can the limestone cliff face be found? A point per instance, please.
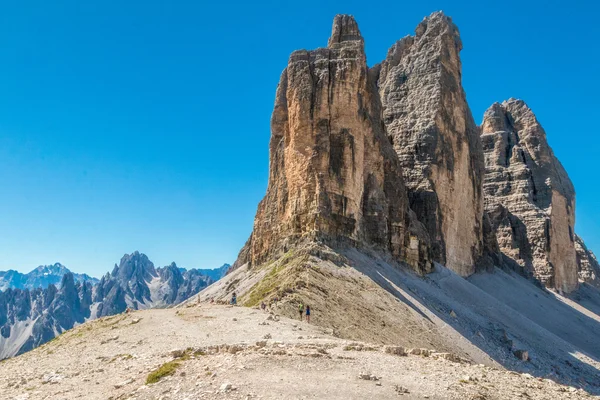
(334, 176)
(529, 196)
(587, 264)
(436, 139)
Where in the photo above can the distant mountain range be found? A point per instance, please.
(217, 273)
(39, 306)
(45, 275)
(40, 277)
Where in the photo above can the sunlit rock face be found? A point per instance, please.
(529, 196)
(436, 139)
(334, 176)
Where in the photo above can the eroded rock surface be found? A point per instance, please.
(334, 176)
(390, 157)
(587, 264)
(529, 196)
(436, 139)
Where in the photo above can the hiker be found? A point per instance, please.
(263, 305)
(301, 310)
(308, 313)
(233, 299)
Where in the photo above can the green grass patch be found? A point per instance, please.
(162, 371)
(275, 280)
(268, 285)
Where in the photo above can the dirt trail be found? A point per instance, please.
(491, 318)
(228, 357)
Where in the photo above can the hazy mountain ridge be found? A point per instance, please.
(40, 277)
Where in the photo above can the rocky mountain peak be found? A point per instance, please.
(436, 140)
(391, 158)
(134, 266)
(529, 196)
(438, 26)
(67, 284)
(56, 268)
(345, 29)
(334, 176)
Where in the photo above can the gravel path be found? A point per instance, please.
(241, 353)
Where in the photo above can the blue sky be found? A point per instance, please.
(144, 125)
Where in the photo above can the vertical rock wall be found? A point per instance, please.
(333, 174)
(529, 196)
(436, 139)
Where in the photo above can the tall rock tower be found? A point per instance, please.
(436, 139)
(334, 176)
(529, 196)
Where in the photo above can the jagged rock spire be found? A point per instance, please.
(344, 29)
(428, 119)
(529, 196)
(334, 176)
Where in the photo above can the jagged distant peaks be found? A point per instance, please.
(55, 269)
(29, 318)
(217, 273)
(135, 265)
(40, 277)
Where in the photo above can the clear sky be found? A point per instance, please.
(144, 125)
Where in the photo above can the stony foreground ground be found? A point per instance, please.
(224, 352)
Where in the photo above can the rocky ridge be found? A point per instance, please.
(40, 277)
(29, 318)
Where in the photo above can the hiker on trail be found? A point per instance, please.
(301, 310)
(308, 313)
(233, 299)
(263, 305)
